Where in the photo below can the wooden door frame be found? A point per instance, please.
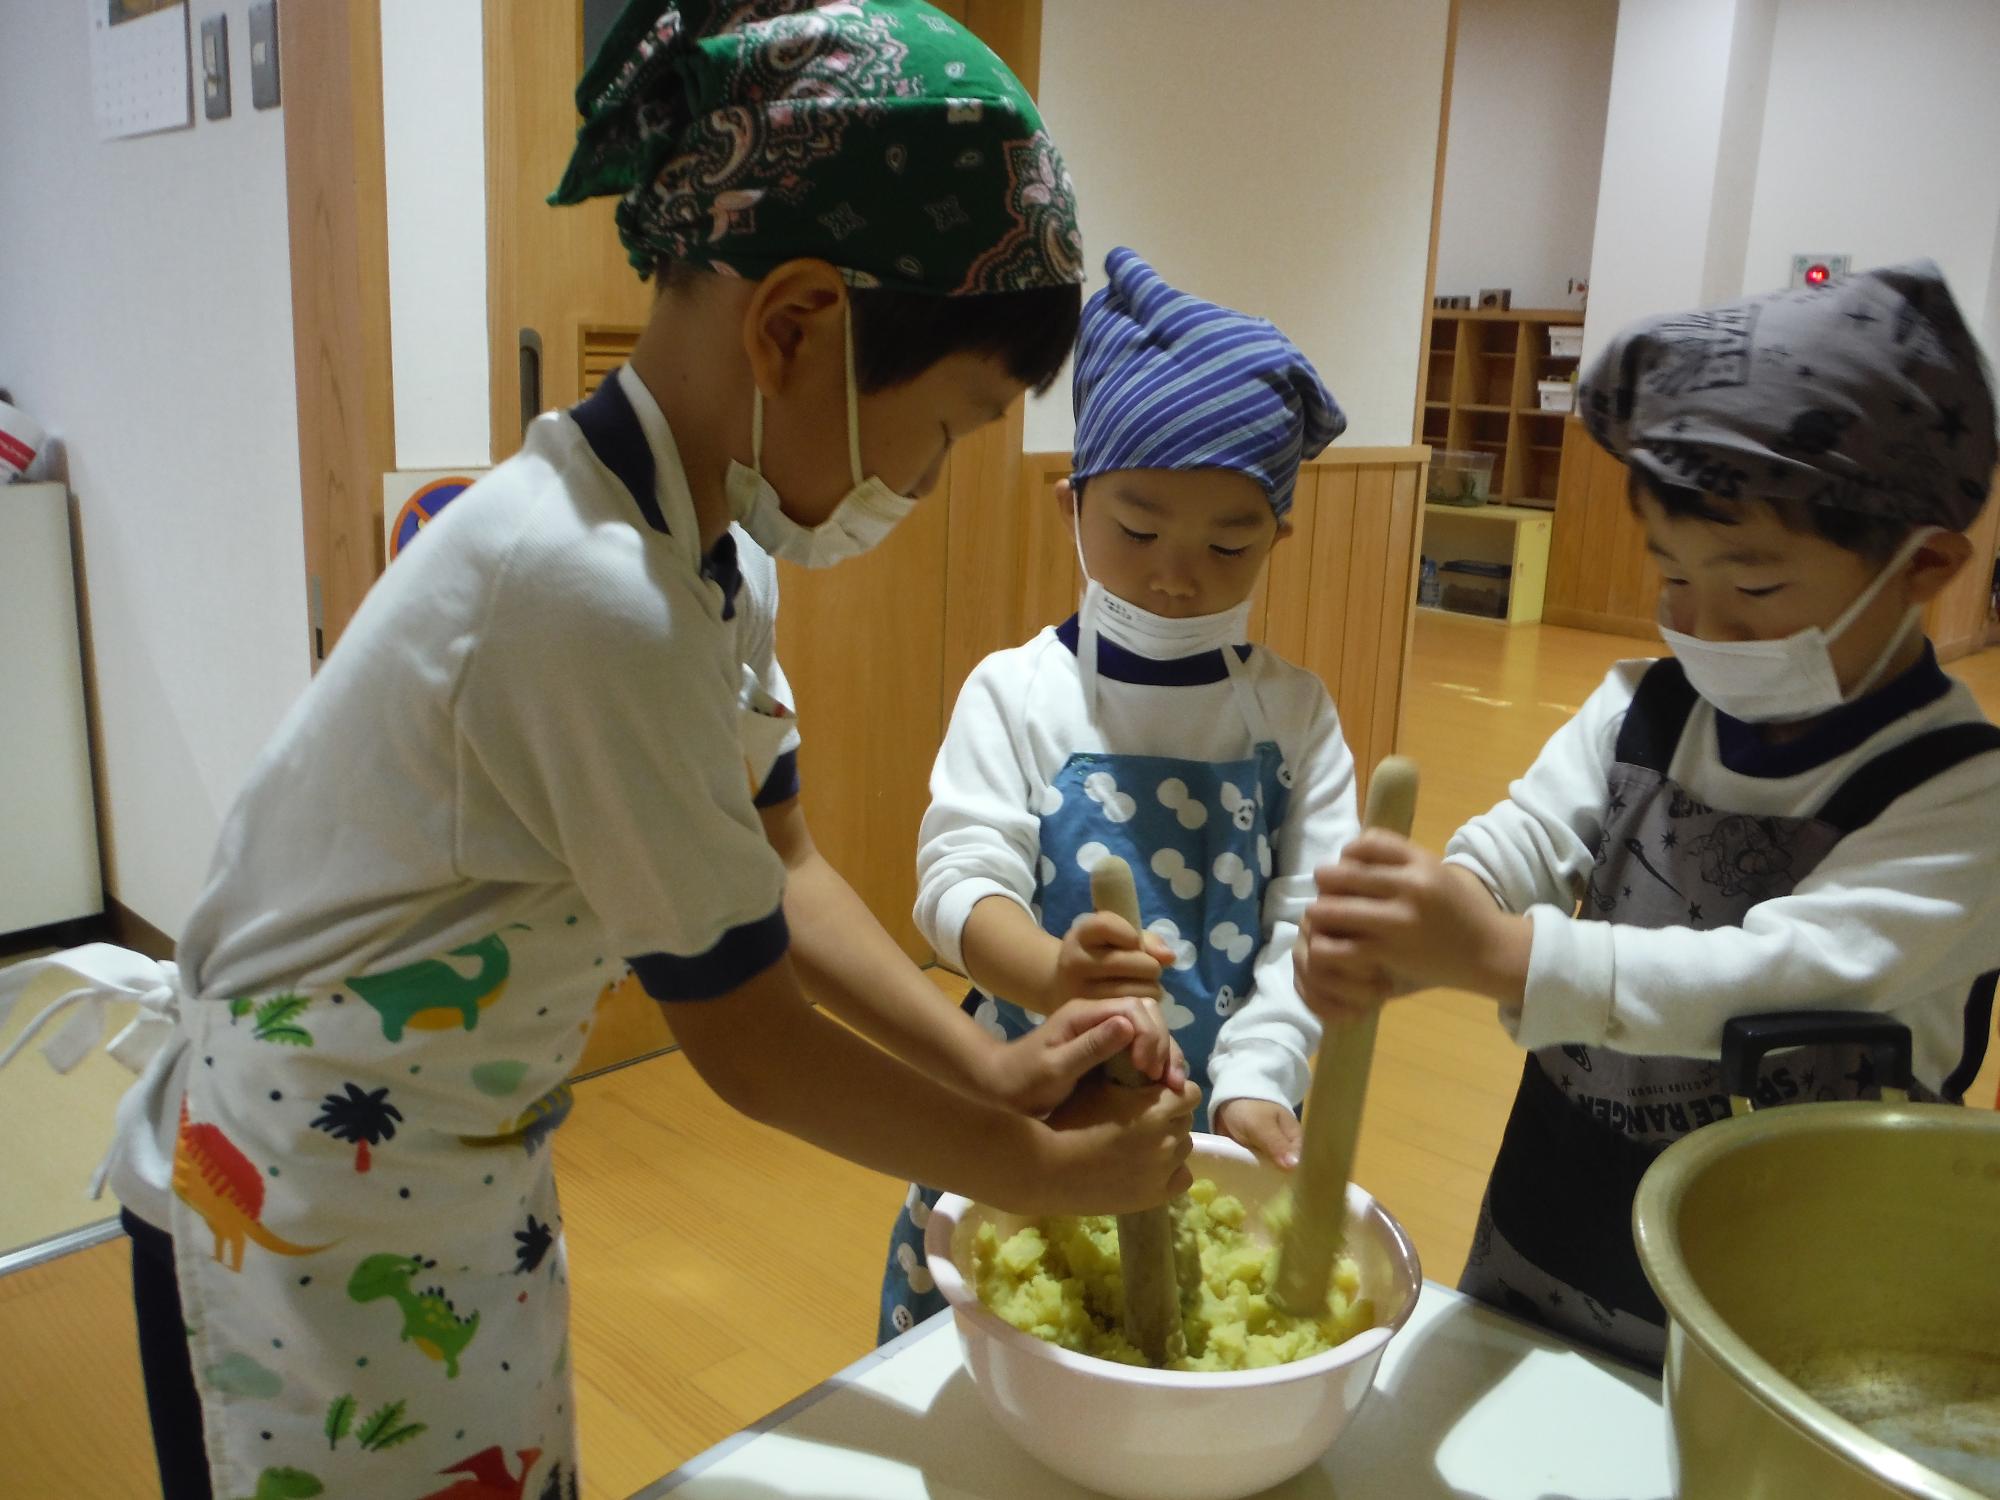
(337, 207)
(1437, 213)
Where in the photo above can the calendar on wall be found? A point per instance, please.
(140, 66)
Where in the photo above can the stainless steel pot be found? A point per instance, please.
(1831, 1276)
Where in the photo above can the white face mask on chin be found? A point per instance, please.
(1771, 682)
(1143, 633)
(866, 514)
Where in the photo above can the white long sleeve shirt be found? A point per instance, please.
(1900, 917)
(1018, 721)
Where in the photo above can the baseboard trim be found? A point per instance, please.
(1603, 624)
(128, 929)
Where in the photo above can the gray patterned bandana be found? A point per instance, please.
(1868, 395)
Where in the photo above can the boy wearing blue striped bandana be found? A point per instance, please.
(1145, 726)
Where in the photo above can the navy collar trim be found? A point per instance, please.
(612, 428)
(1743, 749)
(1121, 665)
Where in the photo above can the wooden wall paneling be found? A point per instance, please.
(986, 550)
(863, 645)
(1288, 581)
(1396, 617)
(1367, 574)
(1326, 604)
(1635, 580)
(1600, 575)
(337, 209)
(1600, 525)
(1051, 583)
(1573, 489)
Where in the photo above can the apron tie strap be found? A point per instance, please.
(1247, 705)
(108, 975)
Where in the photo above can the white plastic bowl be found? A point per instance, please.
(1161, 1434)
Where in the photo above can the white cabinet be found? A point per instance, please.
(48, 818)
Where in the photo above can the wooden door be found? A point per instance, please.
(875, 649)
(558, 286)
(337, 208)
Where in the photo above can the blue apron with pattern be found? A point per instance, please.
(1200, 837)
(1553, 1244)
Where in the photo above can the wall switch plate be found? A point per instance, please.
(1832, 268)
(215, 67)
(264, 54)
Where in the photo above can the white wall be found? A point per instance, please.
(1743, 131)
(1274, 155)
(1745, 97)
(145, 318)
(434, 147)
(1662, 139)
(1530, 83)
(1882, 138)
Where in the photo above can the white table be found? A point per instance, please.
(1468, 1405)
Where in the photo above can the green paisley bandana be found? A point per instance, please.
(879, 135)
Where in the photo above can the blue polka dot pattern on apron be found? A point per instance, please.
(1199, 837)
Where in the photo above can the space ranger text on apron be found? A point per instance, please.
(1200, 837)
(1554, 1239)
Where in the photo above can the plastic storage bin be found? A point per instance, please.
(1475, 588)
(1566, 342)
(1556, 395)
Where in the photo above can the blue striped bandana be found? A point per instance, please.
(1167, 381)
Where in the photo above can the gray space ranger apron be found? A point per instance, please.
(367, 1238)
(1200, 837)
(1554, 1238)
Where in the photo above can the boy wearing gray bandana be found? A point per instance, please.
(1797, 810)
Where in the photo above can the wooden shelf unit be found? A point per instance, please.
(1479, 395)
(1515, 535)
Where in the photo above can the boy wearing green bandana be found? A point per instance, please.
(525, 766)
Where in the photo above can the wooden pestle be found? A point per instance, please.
(1145, 1240)
(1332, 1124)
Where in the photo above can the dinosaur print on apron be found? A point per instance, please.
(366, 1230)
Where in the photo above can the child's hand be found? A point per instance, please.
(1115, 1150)
(1391, 918)
(1103, 958)
(1271, 1130)
(1037, 1072)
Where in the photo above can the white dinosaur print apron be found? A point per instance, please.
(366, 1231)
(367, 1240)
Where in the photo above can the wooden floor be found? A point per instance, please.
(699, 1306)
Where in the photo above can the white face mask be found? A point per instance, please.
(1160, 637)
(1768, 682)
(866, 514)
(1144, 633)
